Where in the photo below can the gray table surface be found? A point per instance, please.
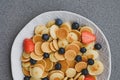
(14, 14)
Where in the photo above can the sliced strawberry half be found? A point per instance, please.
(28, 45)
(88, 37)
(89, 77)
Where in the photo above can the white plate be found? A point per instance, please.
(27, 32)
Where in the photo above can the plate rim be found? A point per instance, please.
(72, 13)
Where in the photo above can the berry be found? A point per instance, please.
(27, 78)
(45, 37)
(78, 58)
(90, 61)
(32, 61)
(88, 37)
(45, 78)
(58, 21)
(57, 66)
(28, 45)
(61, 51)
(75, 25)
(83, 50)
(46, 55)
(85, 72)
(89, 77)
(97, 46)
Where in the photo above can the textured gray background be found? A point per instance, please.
(14, 14)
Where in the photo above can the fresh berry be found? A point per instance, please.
(28, 45)
(46, 55)
(27, 78)
(32, 61)
(83, 50)
(89, 77)
(61, 51)
(88, 37)
(75, 25)
(78, 58)
(90, 61)
(97, 46)
(85, 72)
(45, 78)
(45, 37)
(58, 21)
(57, 66)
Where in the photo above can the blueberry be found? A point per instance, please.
(97, 46)
(90, 61)
(83, 50)
(75, 25)
(58, 21)
(57, 66)
(27, 78)
(61, 51)
(46, 55)
(32, 61)
(45, 78)
(45, 37)
(85, 72)
(78, 58)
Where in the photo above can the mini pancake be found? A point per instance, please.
(66, 26)
(42, 62)
(45, 31)
(25, 64)
(55, 44)
(52, 47)
(38, 50)
(36, 57)
(39, 29)
(64, 65)
(59, 56)
(77, 76)
(77, 33)
(78, 43)
(45, 74)
(66, 78)
(71, 64)
(61, 33)
(56, 71)
(72, 37)
(50, 23)
(89, 46)
(86, 28)
(40, 66)
(25, 72)
(84, 58)
(53, 30)
(81, 65)
(56, 76)
(70, 72)
(74, 47)
(62, 43)
(53, 58)
(25, 55)
(49, 65)
(45, 47)
(37, 38)
(70, 55)
(82, 77)
(24, 59)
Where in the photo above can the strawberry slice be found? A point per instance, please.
(89, 77)
(28, 45)
(88, 37)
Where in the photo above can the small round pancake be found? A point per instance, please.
(86, 28)
(72, 37)
(62, 43)
(77, 33)
(37, 38)
(55, 44)
(38, 50)
(25, 72)
(24, 59)
(59, 56)
(52, 58)
(50, 23)
(61, 33)
(74, 47)
(36, 57)
(84, 58)
(25, 55)
(39, 29)
(89, 46)
(56, 76)
(40, 66)
(53, 30)
(45, 74)
(45, 31)
(77, 76)
(70, 55)
(32, 78)
(49, 65)
(66, 26)
(56, 71)
(71, 64)
(70, 72)
(81, 65)
(25, 64)
(82, 77)
(42, 62)
(45, 47)
(64, 65)
(78, 43)
(52, 47)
